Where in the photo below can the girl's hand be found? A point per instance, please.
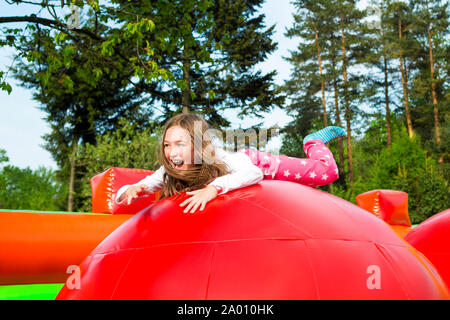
(200, 198)
(133, 192)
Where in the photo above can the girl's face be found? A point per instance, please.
(178, 148)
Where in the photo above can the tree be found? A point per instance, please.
(398, 19)
(380, 59)
(404, 166)
(308, 59)
(210, 49)
(3, 156)
(331, 42)
(384, 155)
(333, 74)
(431, 28)
(99, 29)
(207, 51)
(83, 78)
(29, 189)
(127, 147)
(353, 33)
(83, 95)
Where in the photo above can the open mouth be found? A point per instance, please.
(177, 163)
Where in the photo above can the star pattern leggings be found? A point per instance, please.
(317, 170)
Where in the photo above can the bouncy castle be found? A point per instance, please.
(273, 240)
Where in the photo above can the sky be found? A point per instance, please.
(22, 124)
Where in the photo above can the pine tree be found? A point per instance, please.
(431, 28)
(334, 73)
(380, 61)
(331, 45)
(352, 35)
(398, 18)
(308, 57)
(210, 50)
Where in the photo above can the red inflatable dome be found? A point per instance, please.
(432, 238)
(273, 240)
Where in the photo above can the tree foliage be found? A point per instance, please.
(405, 166)
(210, 50)
(127, 147)
(397, 78)
(102, 83)
(133, 58)
(28, 189)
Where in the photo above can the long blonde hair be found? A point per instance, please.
(198, 176)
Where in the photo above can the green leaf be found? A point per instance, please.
(182, 84)
(68, 83)
(60, 37)
(6, 87)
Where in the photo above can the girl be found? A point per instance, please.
(203, 171)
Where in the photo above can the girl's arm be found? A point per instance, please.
(243, 172)
(152, 183)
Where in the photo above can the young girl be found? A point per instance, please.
(203, 171)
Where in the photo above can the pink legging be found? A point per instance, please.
(317, 170)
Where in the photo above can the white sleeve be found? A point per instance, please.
(153, 182)
(243, 173)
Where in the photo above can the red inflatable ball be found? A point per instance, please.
(273, 240)
(432, 238)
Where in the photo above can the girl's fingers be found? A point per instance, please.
(189, 207)
(190, 198)
(185, 202)
(195, 207)
(195, 201)
(191, 203)
(131, 196)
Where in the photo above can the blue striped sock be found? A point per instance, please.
(326, 134)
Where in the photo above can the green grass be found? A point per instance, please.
(46, 291)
